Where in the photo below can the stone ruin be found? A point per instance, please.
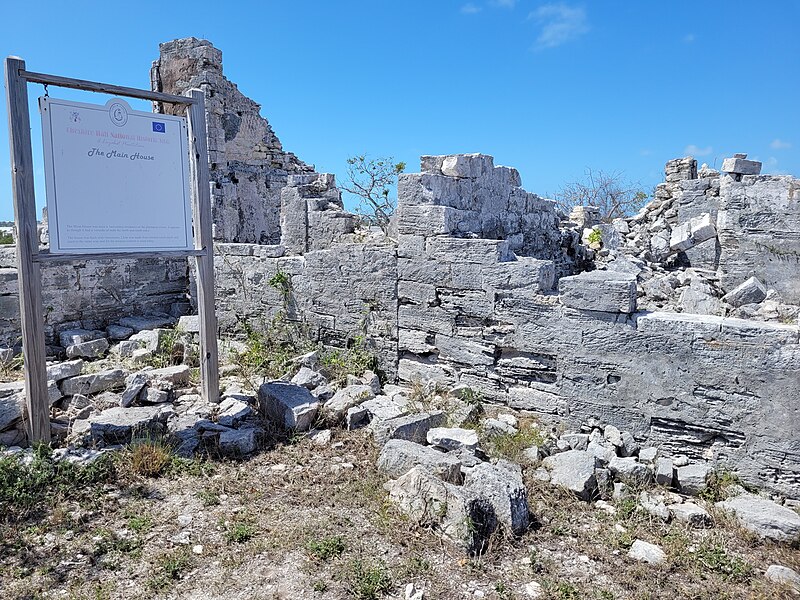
(678, 324)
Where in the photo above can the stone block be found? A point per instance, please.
(118, 332)
(573, 470)
(92, 349)
(693, 479)
(764, 517)
(751, 291)
(118, 425)
(64, 370)
(467, 165)
(501, 486)
(604, 291)
(413, 427)
(453, 438)
(741, 166)
(400, 456)
(93, 382)
(289, 405)
(336, 408)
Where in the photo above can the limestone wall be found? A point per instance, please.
(472, 312)
(248, 164)
(339, 294)
(759, 232)
(90, 293)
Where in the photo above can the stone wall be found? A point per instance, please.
(248, 164)
(471, 312)
(759, 232)
(91, 293)
(338, 294)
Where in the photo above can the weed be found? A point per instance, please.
(170, 567)
(240, 532)
(6, 238)
(149, 458)
(472, 397)
(140, 524)
(281, 281)
(713, 557)
(25, 488)
(717, 486)
(320, 585)
(170, 349)
(326, 548)
(502, 591)
(595, 237)
(111, 542)
(270, 354)
(368, 580)
(338, 363)
(511, 445)
(415, 566)
(12, 367)
(208, 497)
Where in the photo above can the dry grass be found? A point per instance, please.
(302, 521)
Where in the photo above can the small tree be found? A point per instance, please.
(372, 180)
(610, 192)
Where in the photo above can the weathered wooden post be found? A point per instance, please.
(28, 271)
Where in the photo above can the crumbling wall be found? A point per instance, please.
(248, 164)
(336, 295)
(759, 232)
(471, 312)
(88, 294)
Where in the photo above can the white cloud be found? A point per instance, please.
(778, 144)
(470, 9)
(645, 152)
(560, 24)
(692, 150)
(689, 38)
(504, 3)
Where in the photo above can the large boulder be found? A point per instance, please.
(460, 517)
(764, 517)
(291, 406)
(501, 486)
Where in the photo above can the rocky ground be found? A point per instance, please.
(327, 484)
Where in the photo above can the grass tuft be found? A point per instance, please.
(368, 580)
(326, 548)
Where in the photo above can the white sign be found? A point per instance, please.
(116, 179)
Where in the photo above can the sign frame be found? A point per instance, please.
(30, 257)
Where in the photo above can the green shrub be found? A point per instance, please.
(27, 488)
(368, 581)
(326, 548)
(338, 363)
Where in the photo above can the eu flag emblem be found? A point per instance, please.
(159, 127)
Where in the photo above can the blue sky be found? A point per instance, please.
(551, 88)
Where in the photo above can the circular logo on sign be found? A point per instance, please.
(118, 114)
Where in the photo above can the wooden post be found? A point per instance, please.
(201, 209)
(28, 273)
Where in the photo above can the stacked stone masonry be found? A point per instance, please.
(679, 326)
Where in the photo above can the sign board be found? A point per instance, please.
(117, 179)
